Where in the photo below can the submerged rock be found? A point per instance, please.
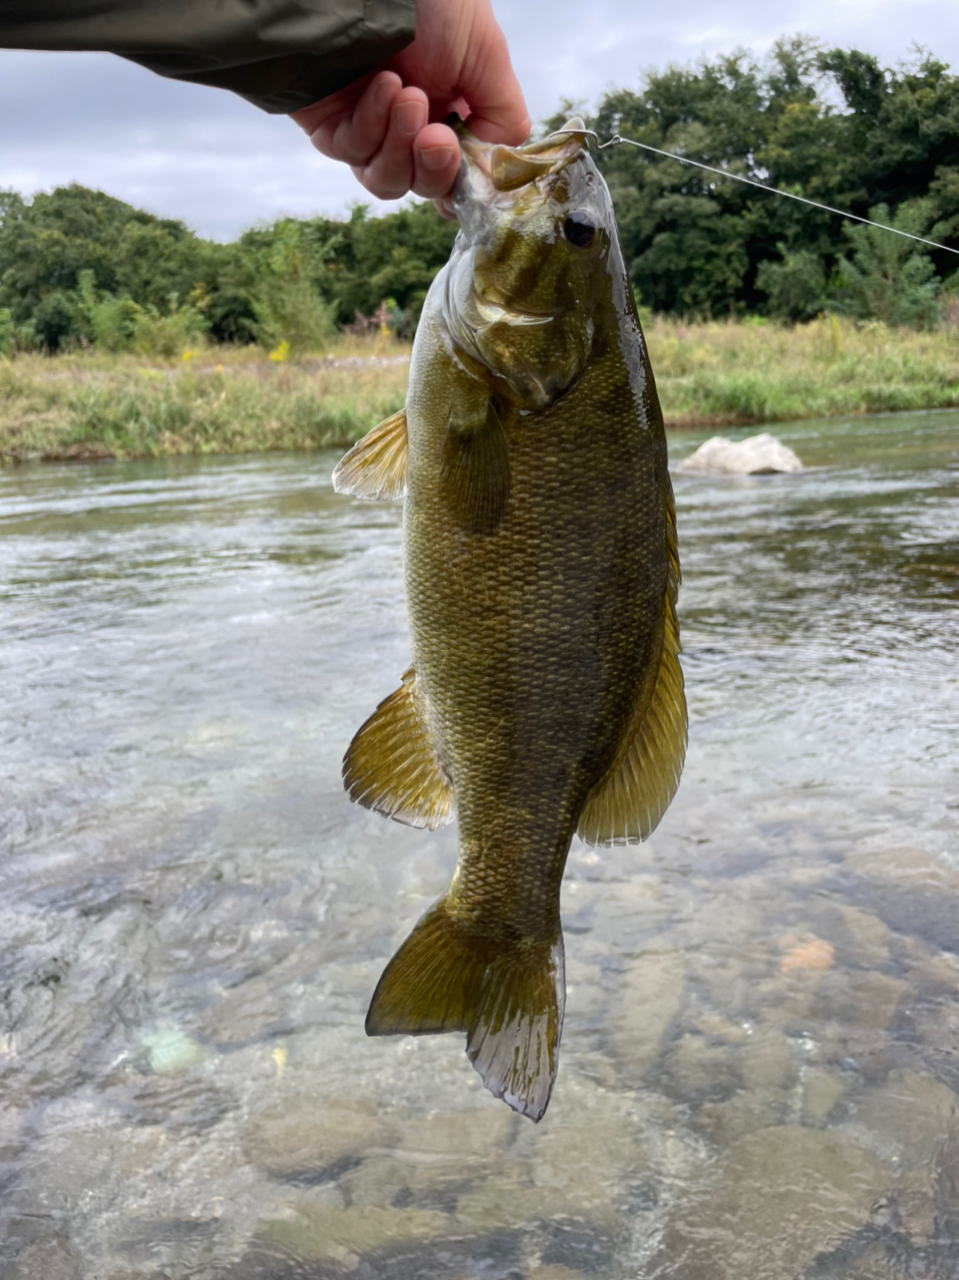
(756, 455)
(301, 1133)
(647, 1004)
(783, 1196)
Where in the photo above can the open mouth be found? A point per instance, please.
(508, 168)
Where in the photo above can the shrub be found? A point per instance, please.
(888, 277)
(168, 335)
(796, 286)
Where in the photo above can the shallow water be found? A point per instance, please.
(760, 1066)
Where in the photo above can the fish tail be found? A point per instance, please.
(509, 1000)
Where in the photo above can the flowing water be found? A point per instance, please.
(759, 1075)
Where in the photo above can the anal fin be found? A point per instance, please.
(627, 804)
(390, 765)
(376, 465)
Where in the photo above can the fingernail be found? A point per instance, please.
(410, 117)
(436, 157)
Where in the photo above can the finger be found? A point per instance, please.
(436, 161)
(350, 125)
(358, 137)
(389, 174)
(444, 207)
(320, 119)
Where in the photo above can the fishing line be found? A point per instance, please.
(617, 139)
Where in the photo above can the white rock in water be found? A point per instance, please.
(756, 455)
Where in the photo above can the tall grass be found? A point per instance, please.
(236, 401)
(232, 402)
(726, 373)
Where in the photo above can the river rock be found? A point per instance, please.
(860, 1000)
(434, 1158)
(819, 1092)
(746, 1112)
(52, 1260)
(251, 1010)
(341, 1236)
(301, 1134)
(780, 1198)
(913, 892)
(756, 455)
(767, 1061)
(870, 938)
(908, 1120)
(575, 1166)
(698, 1069)
(644, 1009)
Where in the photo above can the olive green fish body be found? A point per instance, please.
(541, 573)
(531, 640)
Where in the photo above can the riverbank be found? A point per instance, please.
(222, 401)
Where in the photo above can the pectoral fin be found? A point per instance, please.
(474, 477)
(376, 465)
(391, 767)
(629, 801)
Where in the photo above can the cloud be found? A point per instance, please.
(211, 159)
(179, 150)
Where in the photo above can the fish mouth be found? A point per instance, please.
(490, 171)
(508, 168)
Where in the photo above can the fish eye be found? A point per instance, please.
(579, 230)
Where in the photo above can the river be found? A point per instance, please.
(759, 1075)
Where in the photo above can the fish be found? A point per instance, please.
(545, 695)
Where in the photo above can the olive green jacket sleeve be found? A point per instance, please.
(278, 54)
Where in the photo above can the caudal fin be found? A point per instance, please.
(509, 1001)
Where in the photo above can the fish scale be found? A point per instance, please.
(545, 694)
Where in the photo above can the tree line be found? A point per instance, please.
(78, 267)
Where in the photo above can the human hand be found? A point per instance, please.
(386, 126)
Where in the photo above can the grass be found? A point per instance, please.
(239, 401)
(724, 374)
(233, 401)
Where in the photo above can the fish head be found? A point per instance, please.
(530, 272)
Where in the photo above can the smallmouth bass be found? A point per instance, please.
(545, 696)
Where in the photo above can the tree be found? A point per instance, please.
(888, 277)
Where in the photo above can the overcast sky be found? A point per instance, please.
(219, 164)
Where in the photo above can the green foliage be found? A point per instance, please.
(889, 278)
(106, 321)
(286, 261)
(394, 256)
(235, 400)
(796, 285)
(80, 268)
(170, 331)
(7, 331)
(696, 244)
(97, 405)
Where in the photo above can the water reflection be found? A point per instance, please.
(760, 1071)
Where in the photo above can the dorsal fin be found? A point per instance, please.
(376, 465)
(629, 801)
(390, 765)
